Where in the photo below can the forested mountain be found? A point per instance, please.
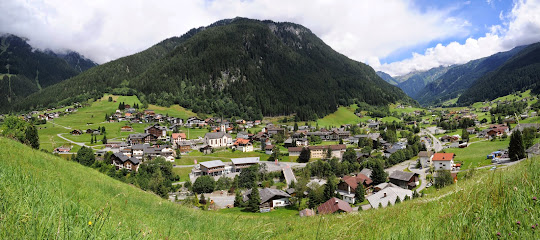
(240, 67)
(24, 70)
(459, 78)
(413, 82)
(386, 77)
(519, 73)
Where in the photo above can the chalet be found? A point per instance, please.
(388, 152)
(387, 195)
(243, 145)
(121, 161)
(242, 135)
(195, 122)
(157, 131)
(184, 146)
(149, 112)
(176, 138)
(443, 161)
(126, 129)
(471, 130)
(348, 184)
(268, 149)
(213, 168)
(271, 130)
(218, 139)
(407, 180)
(240, 163)
(270, 198)
(76, 132)
(425, 158)
(140, 138)
(334, 205)
(373, 125)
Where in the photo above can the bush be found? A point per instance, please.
(204, 184)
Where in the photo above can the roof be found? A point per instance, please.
(216, 135)
(425, 154)
(333, 205)
(295, 149)
(247, 160)
(267, 193)
(121, 156)
(353, 181)
(443, 156)
(535, 149)
(138, 135)
(401, 175)
(366, 171)
(269, 147)
(178, 135)
(212, 164)
(241, 141)
(392, 193)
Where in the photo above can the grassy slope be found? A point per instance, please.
(44, 197)
(344, 115)
(476, 154)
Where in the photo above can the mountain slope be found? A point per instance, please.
(386, 77)
(519, 73)
(24, 70)
(459, 78)
(240, 67)
(413, 82)
(47, 197)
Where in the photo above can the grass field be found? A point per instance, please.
(476, 154)
(46, 197)
(183, 173)
(173, 111)
(344, 115)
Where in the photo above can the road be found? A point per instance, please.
(437, 146)
(76, 143)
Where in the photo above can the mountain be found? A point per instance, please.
(413, 82)
(24, 70)
(519, 73)
(386, 77)
(240, 67)
(458, 79)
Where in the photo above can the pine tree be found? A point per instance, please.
(254, 200)
(238, 199)
(329, 188)
(398, 200)
(32, 137)
(360, 192)
(92, 139)
(378, 174)
(295, 126)
(305, 155)
(516, 149)
(104, 141)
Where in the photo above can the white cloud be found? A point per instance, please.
(520, 27)
(105, 30)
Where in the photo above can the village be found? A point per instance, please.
(300, 165)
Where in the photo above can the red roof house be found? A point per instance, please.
(334, 205)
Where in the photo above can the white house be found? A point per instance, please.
(425, 158)
(443, 161)
(218, 139)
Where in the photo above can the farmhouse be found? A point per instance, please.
(243, 145)
(157, 131)
(443, 161)
(76, 132)
(348, 184)
(121, 161)
(176, 138)
(425, 158)
(141, 138)
(407, 180)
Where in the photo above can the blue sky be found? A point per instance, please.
(394, 36)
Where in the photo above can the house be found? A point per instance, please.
(243, 145)
(271, 130)
(240, 163)
(157, 131)
(387, 195)
(244, 135)
(471, 130)
(407, 180)
(425, 158)
(334, 205)
(373, 125)
(121, 161)
(534, 150)
(176, 138)
(367, 172)
(270, 198)
(141, 138)
(307, 213)
(126, 129)
(76, 132)
(348, 184)
(207, 149)
(195, 122)
(184, 146)
(388, 152)
(268, 149)
(218, 139)
(443, 161)
(320, 151)
(213, 168)
(62, 150)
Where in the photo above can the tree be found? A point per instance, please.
(349, 155)
(238, 199)
(92, 139)
(32, 137)
(378, 175)
(202, 199)
(85, 156)
(330, 188)
(223, 183)
(107, 158)
(248, 177)
(360, 193)
(305, 155)
(275, 154)
(110, 99)
(295, 126)
(443, 178)
(188, 185)
(204, 184)
(328, 153)
(254, 200)
(516, 149)
(528, 137)
(465, 135)
(104, 140)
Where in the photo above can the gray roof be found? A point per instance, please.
(246, 160)
(535, 149)
(392, 193)
(401, 175)
(267, 194)
(138, 135)
(212, 164)
(367, 172)
(121, 156)
(216, 135)
(425, 154)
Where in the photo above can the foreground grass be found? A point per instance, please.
(45, 197)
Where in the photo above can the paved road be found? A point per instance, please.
(288, 173)
(76, 143)
(437, 146)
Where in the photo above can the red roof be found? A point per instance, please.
(443, 156)
(333, 205)
(178, 135)
(360, 178)
(241, 141)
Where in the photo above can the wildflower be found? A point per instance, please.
(533, 227)
(525, 210)
(498, 234)
(90, 223)
(534, 198)
(518, 223)
(515, 188)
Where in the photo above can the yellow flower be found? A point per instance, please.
(90, 223)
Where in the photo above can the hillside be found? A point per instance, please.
(240, 67)
(46, 197)
(25, 70)
(459, 78)
(386, 77)
(519, 73)
(413, 82)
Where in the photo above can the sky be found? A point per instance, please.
(394, 36)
